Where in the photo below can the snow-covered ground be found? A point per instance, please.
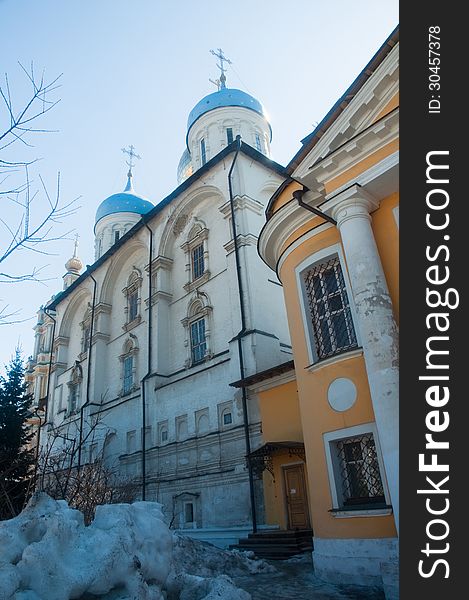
(127, 553)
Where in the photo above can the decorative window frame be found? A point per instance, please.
(179, 509)
(85, 339)
(199, 415)
(134, 285)
(178, 421)
(316, 258)
(131, 440)
(74, 387)
(258, 141)
(330, 440)
(163, 426)
(198, 236)
(199, 308)
(223, 409)
(129, 349)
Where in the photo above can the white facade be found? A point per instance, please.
(195, 445)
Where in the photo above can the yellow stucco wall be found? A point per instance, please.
(285, 196)
(317, 416)
(281, 422)
(349, 175)
(280, 414)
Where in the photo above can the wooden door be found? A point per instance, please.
(297, 502)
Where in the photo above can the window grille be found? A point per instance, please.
(359, 471)
(229, 135)
(116, 236)
(227, 418)
(198, 265)
(128, 374)
(198, 342)
(328, 302)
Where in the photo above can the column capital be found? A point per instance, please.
(354, 202)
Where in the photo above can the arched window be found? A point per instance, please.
(74, 388)
(132, 294)
(203, 152)
(85, 333)
(197, 327)
(258, 142)
(196, 250)
(128, 360)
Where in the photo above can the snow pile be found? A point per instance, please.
(47, 553)
(127, 553)
(199, 571)
(199, 558)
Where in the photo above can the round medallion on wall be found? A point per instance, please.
(342, 394)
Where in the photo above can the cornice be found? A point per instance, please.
(360, 113)
(352, 152)
(283, 223)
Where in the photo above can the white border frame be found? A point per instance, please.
(322, 255)
(340, 434)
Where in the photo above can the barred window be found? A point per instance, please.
(359, 471)
(197, 259)
(331, 318)
(198, 342)
(229, 135)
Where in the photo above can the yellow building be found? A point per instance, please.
(332, 237)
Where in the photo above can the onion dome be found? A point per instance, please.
(123, 202)
(224, 97)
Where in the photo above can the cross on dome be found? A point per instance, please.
(222, 58)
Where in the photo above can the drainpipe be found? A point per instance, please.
(239, 338)
(149, 357)
(88, 378)
(298, 194)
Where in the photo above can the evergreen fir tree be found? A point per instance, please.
(16, 459)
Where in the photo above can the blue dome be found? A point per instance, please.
(224, 97)
(123, 202)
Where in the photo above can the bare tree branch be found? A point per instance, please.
(36, 213)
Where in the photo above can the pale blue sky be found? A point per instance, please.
(132, 71)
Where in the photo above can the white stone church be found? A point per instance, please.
(176, 306)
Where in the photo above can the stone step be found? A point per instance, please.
(280, 536)
(277, 544)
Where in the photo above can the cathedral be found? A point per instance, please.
(176, 306)
(177, 339)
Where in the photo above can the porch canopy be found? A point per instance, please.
(262, 458)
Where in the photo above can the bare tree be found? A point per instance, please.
(89, 484)
(33, 212)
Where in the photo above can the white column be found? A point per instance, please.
(378, 331)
